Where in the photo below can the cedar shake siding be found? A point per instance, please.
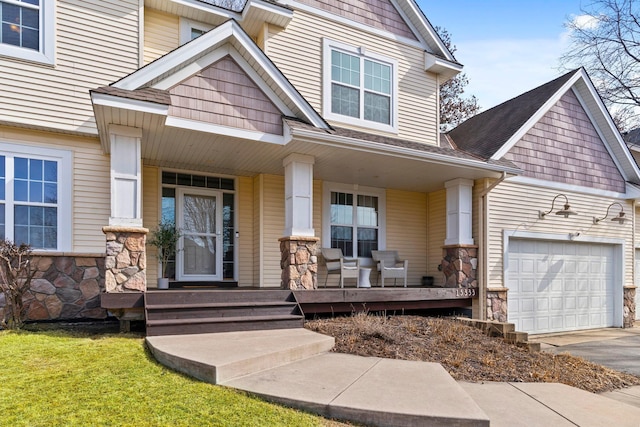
(565, 147)
(379, 14)
(223, 94)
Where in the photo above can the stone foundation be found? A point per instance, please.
(299, 262)
(459, 265)
(629, 313)
(497, 304)
(126, 260)
(64, 287)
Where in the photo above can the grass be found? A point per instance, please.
(58, 378)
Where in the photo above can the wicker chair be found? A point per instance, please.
(336, 263)
(390, 266)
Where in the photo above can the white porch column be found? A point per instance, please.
(298, 191)
(126, 176)
(459, 205)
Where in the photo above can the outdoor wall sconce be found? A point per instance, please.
(565, 211)
(620, 218)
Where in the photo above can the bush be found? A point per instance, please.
(16, 272)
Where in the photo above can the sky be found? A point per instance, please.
(507, 47)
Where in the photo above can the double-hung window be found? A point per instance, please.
(190, 30)
(26, 29)
(359, 87)
(355, 220)
(33, 201)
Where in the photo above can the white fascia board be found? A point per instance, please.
(401, 152)
(224, 130)
(176, 58)
(426, 25)
(269, 7)
(421, 44)
(630, 191)
(274, 73)
(207, 8)
(535, 118)
(437, 65)
(129, 104)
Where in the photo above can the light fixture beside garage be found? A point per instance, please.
(565, 211)
(620, 218)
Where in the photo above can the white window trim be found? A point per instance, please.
(356, 190)
(65, 185)
(185, 29)
(362, 52)
(46, 55)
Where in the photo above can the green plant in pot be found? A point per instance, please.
(165, 238)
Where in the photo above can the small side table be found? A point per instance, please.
(363, 279)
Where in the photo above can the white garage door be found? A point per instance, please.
(558, 286)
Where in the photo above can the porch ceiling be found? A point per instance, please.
(348, 161)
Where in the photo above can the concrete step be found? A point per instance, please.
(220, 357)
(368, 390)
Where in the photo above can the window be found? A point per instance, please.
(359, 87)
(27, 29)
(33, 202)
(355, 220)
(190, 30)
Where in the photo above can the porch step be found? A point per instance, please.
(178, 312)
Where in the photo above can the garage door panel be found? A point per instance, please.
(559, 286)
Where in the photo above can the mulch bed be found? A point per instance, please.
(464, 351)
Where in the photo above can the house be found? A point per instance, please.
(268, 129)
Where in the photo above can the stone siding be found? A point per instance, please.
(459, 265)
(299, 262)
(126, 260)
(629, 314)
(64, 287)
(497, 304)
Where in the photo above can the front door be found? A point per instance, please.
(199, 216)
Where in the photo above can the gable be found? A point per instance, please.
(379, 14)
(564, 146)
(223, 94)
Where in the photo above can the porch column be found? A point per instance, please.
(629, 313)
(125, 262)
(298, 194)
(460, 254)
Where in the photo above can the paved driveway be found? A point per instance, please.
(615, 348)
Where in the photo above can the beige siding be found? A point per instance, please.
(91, 191)
(317, 210)
(161, 34)
(297, 51)
(246, 252)
(96, 44)
(407, 230)
(273, 227)
(151, 218)
(515, 207)
(437, 233)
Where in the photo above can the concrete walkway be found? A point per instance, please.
(294, 367)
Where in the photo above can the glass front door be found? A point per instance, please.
(199, 216)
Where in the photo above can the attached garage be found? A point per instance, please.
(557, 286)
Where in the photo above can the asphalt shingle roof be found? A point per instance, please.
(157, 96)
(485, 133)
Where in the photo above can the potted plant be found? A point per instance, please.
(165, 238)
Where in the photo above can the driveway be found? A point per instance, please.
(614, 348)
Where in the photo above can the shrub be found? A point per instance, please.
(16, 272)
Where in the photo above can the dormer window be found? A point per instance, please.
(26, 29)
(359, 87)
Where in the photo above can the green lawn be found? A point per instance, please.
(69, 379)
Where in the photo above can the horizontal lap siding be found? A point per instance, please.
(273, 227)
(515, 207)
(246, 251)
(437, 232)
(161, 34)
(91, 188)
(297, 51)
(407, 230)
(96, 44)
(151, 217)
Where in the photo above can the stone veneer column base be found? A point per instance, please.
(299, 262)
(459, 264)
(497, 304)
(629, 314)
(126, 260)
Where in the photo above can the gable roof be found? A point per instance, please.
(492, 133)
(190, 58)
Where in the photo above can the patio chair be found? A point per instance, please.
(390, 266)
(336, 263)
